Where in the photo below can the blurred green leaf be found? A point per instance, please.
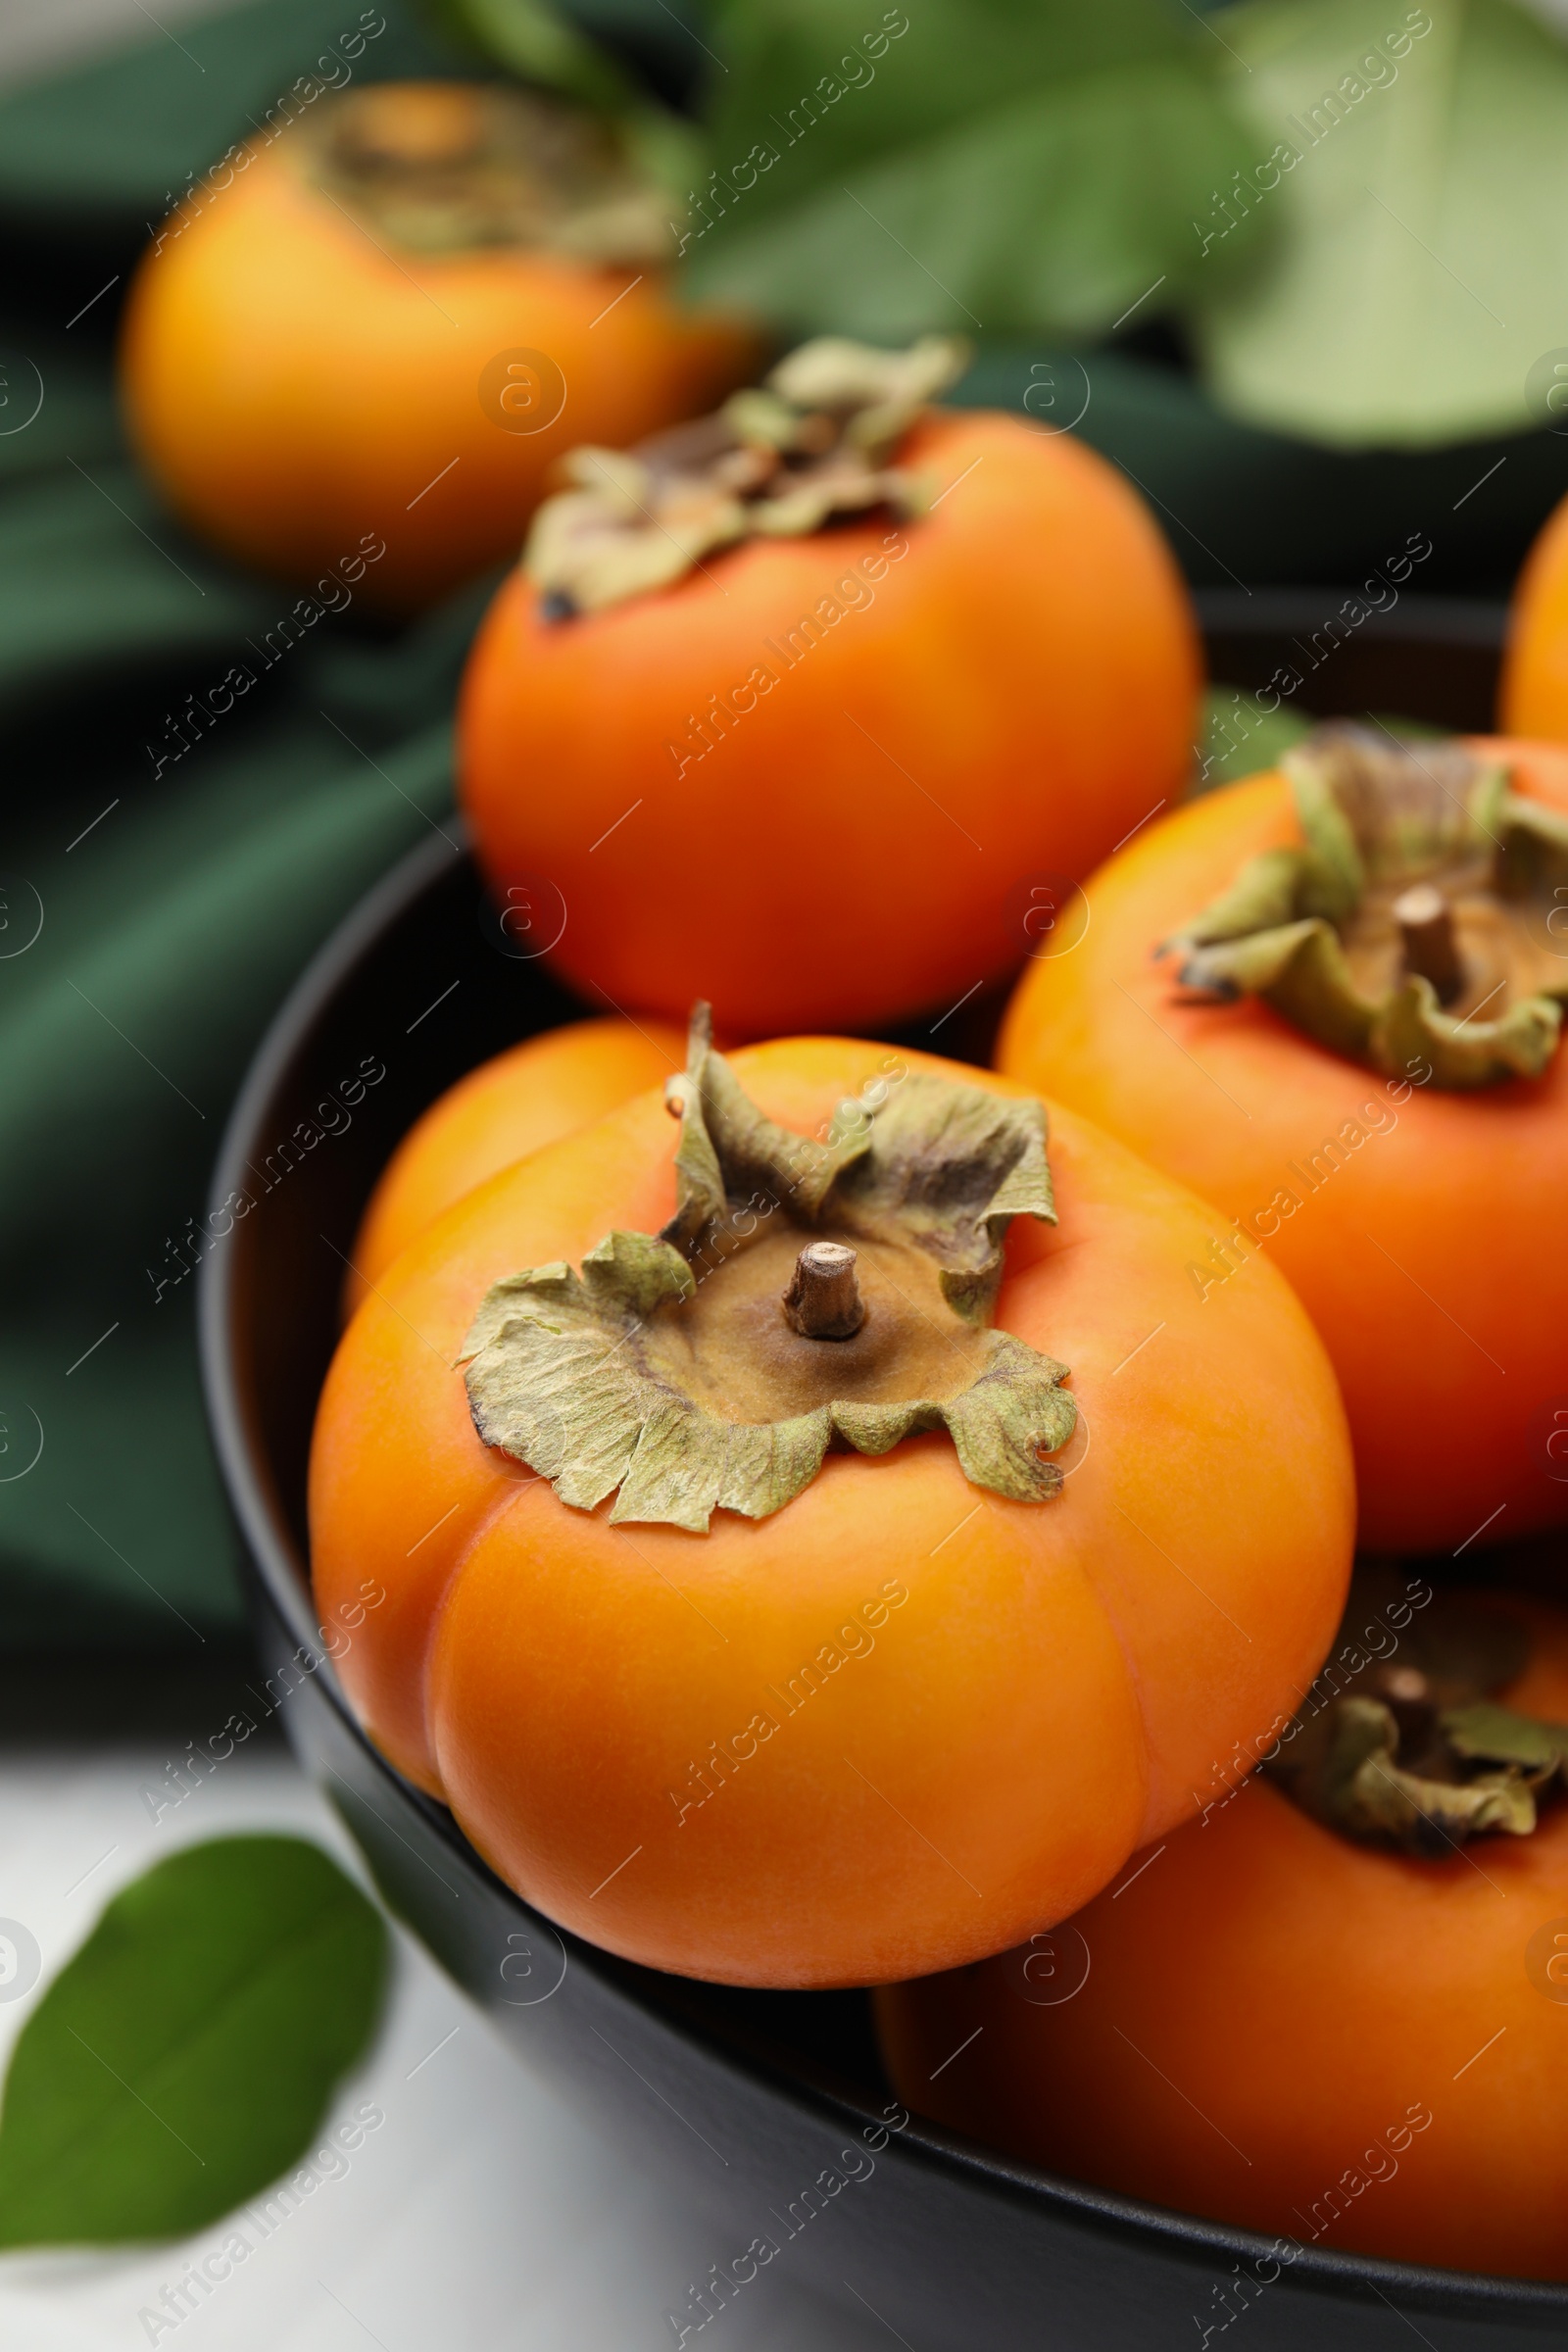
(1422, 265)
(185, 2056)
(539, 44)
(1236, 737)
(1024, 166)
(533, 40)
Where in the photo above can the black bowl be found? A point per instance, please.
(750, 2096)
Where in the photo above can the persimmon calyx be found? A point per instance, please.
(1417, 1754)
(777, 461)
(669, 1369)
(1423, 919)
(453, 167)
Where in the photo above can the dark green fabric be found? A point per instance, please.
(178, 905)
(1246, 509)
(175, 922)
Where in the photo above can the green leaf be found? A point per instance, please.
(186, 2055)
(1423, 252)
(540, 46)
(533, 40)
(1237, 737)
(1013, 165)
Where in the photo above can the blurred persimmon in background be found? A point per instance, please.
(1534, 696)
(391, 324)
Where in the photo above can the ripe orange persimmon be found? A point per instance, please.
(1409, 1183)
(817, 776)
(544, 1088)
(1533, 700)
(390, 324)
(878, 1716)
(1275, 2025)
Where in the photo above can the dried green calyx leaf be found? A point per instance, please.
(710, 1366)
(450, 166)
(1413, 1751)
(1423, 920)
(813, 441)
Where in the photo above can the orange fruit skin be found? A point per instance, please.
(1262, 2003)
(1431, 1256)
(546, 1087)
(1533, 696)
(981, 1752)
(1004, 698)
(290, 386)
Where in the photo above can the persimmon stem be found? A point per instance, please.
(1431, 951)
(823, 1300)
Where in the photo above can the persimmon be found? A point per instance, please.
(1533, 700)
(848, 671)
(546, 1087)
(391, 323)
(1330, 2010)
(855, 1679)
(1352, 1054)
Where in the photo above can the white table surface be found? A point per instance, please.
(481, 2217)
